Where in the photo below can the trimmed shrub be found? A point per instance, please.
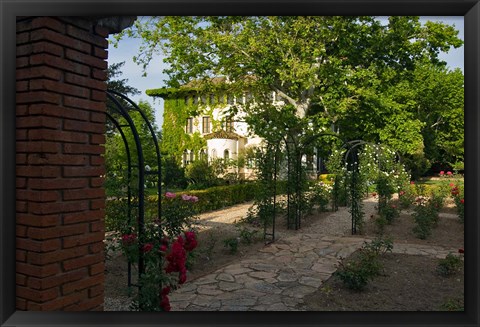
(209, 199)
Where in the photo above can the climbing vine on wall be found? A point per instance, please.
(180, 105)
(175, 141)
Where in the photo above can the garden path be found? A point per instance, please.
(283, 273)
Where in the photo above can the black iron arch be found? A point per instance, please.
(294, 210)
(294, 152)
(351, 159)
(117, 105)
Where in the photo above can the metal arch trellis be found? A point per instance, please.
(294, 157)
(117, 106)
(273, 176)
(294, 152)
(293, 203)
(352, 160)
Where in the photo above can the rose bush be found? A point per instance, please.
(458, 196)
(164, 246)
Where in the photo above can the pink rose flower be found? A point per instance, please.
(170, 195)
(194, 198)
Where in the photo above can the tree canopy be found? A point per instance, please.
(382, 83)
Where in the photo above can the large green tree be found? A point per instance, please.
(353, 72)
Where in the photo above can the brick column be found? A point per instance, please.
(60, 199)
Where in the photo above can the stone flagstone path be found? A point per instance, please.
(280, 276)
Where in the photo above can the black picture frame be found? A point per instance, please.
(10, 9)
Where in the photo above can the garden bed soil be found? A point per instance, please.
(408, 282)
(449, 233)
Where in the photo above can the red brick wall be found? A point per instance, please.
(60, 199)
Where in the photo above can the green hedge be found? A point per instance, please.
(219, 196)
(213, 198)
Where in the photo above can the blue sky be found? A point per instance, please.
(127, 48)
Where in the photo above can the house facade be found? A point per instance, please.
(199, 124)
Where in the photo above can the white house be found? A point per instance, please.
(225, 136)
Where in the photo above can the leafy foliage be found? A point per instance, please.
(425, 216)
(202, 175)
(175, 141)
(380, 83)
(449, 265)
(231, 244)
(390, 212)
(356, 273)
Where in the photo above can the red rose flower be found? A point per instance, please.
(165, 303)
(128, 239)
(177, 257)
(190, 246)
(462, 201)
(449, 173)
(191, 242)
(163, 248)
(165, 290)
(165, 241)
(147, 247)
(180, 240)
(182, 278)
(442, 173)
(461, 251)
(189, 235)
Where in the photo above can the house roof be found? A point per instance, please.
(221, 134)
(193, 86)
